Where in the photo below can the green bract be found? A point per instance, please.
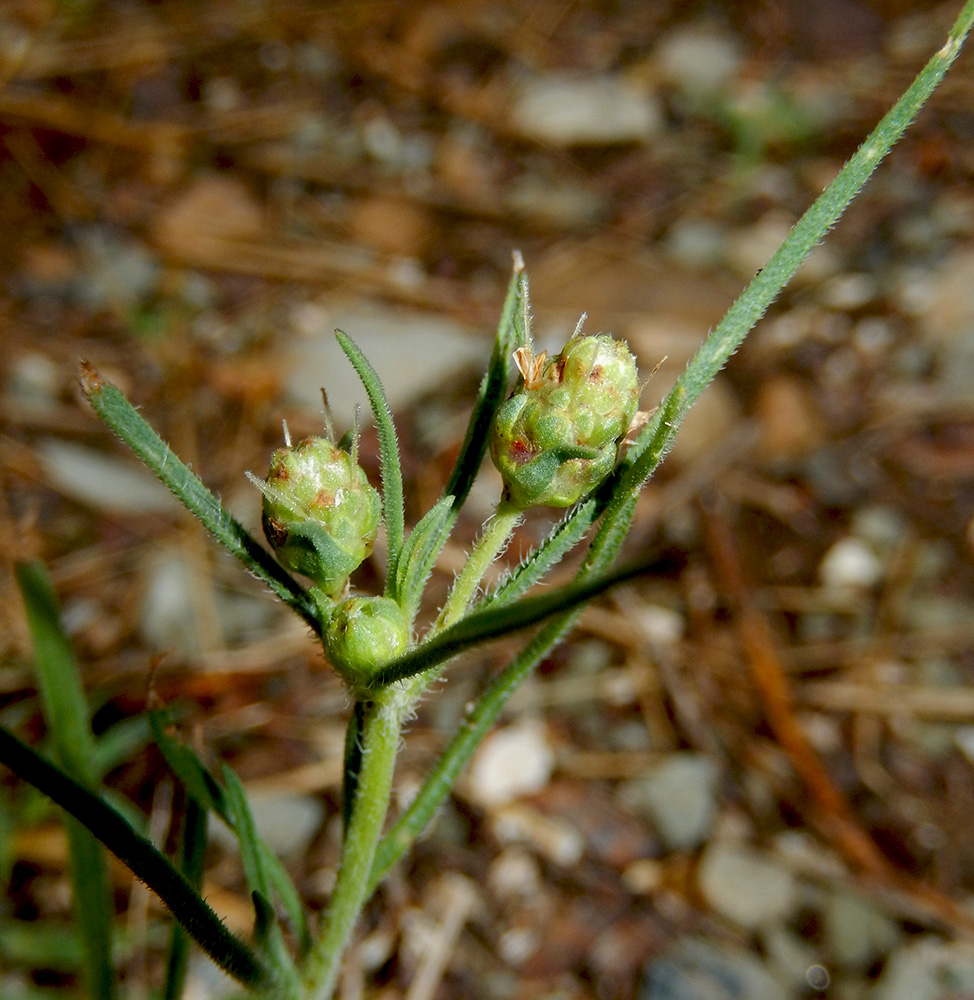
(364, 633)
(556, 438)
(320, 513)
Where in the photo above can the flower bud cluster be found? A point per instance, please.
(320, 513)
(557, 437)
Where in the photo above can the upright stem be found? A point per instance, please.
(486, 549)
(379, 737)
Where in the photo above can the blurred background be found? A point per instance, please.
(751, 772)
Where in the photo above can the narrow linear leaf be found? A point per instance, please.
(254, 855)
(140, 855)
(94, 909)
(352, 761)
(203, 787)
(482, 626)
(129, 425)
(197, 779)
(289, 898)
(419, 555)
(246, 831)
(566, 535)
(121, 742)
(192, 857)
(391, 470)
(511, 333)
(58, 678)
(66, 713)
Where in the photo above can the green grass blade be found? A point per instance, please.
(192, 862)
(132, 428)
(121, 743)
(140, 855)
(66, 713)
(197, 779)
(58, 677)
(246, 831)
(203, 787)
(94, 909)
(391, 470)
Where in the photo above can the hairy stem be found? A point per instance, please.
(379, 738)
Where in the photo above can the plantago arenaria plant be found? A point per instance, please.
(557, 429)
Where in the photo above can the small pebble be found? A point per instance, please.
(285, 820)
(680, 796)
(927, 969)
(553, 838)
(695, 969)
(103, 481)
(850, 564)
(167, 620)
(564, 109)
(411, 352)
(511, 762)
(746, 886)
(698, 60)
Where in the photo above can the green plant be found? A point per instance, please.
(557, 440)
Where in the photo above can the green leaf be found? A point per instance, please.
(193, 839)
(186, 765)
(351, 761)
(513, 331)
(392, 500)
(566, 535)
(94, 909)
(203, 786)
(141, 856)
(120, 743)
(129, 425)
(253, 854)
(66, 713)
(419, 555)
(58, 678)
(496, 621)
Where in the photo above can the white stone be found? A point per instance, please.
(511, 762)
(566, 109)
(680, 795)
(746, 886)
(411, 353)
(103, 481)
(698, 60)
(856, 931)
(850, 564)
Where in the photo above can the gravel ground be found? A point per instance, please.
(750, 773)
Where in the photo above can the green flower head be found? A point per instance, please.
(557, 437)
(320, 513)
(362, 634)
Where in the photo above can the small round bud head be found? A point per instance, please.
(557, 437)
(364, 633)
(320, 514)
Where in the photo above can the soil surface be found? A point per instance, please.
(747, 775)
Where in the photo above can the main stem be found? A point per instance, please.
(379, 736)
